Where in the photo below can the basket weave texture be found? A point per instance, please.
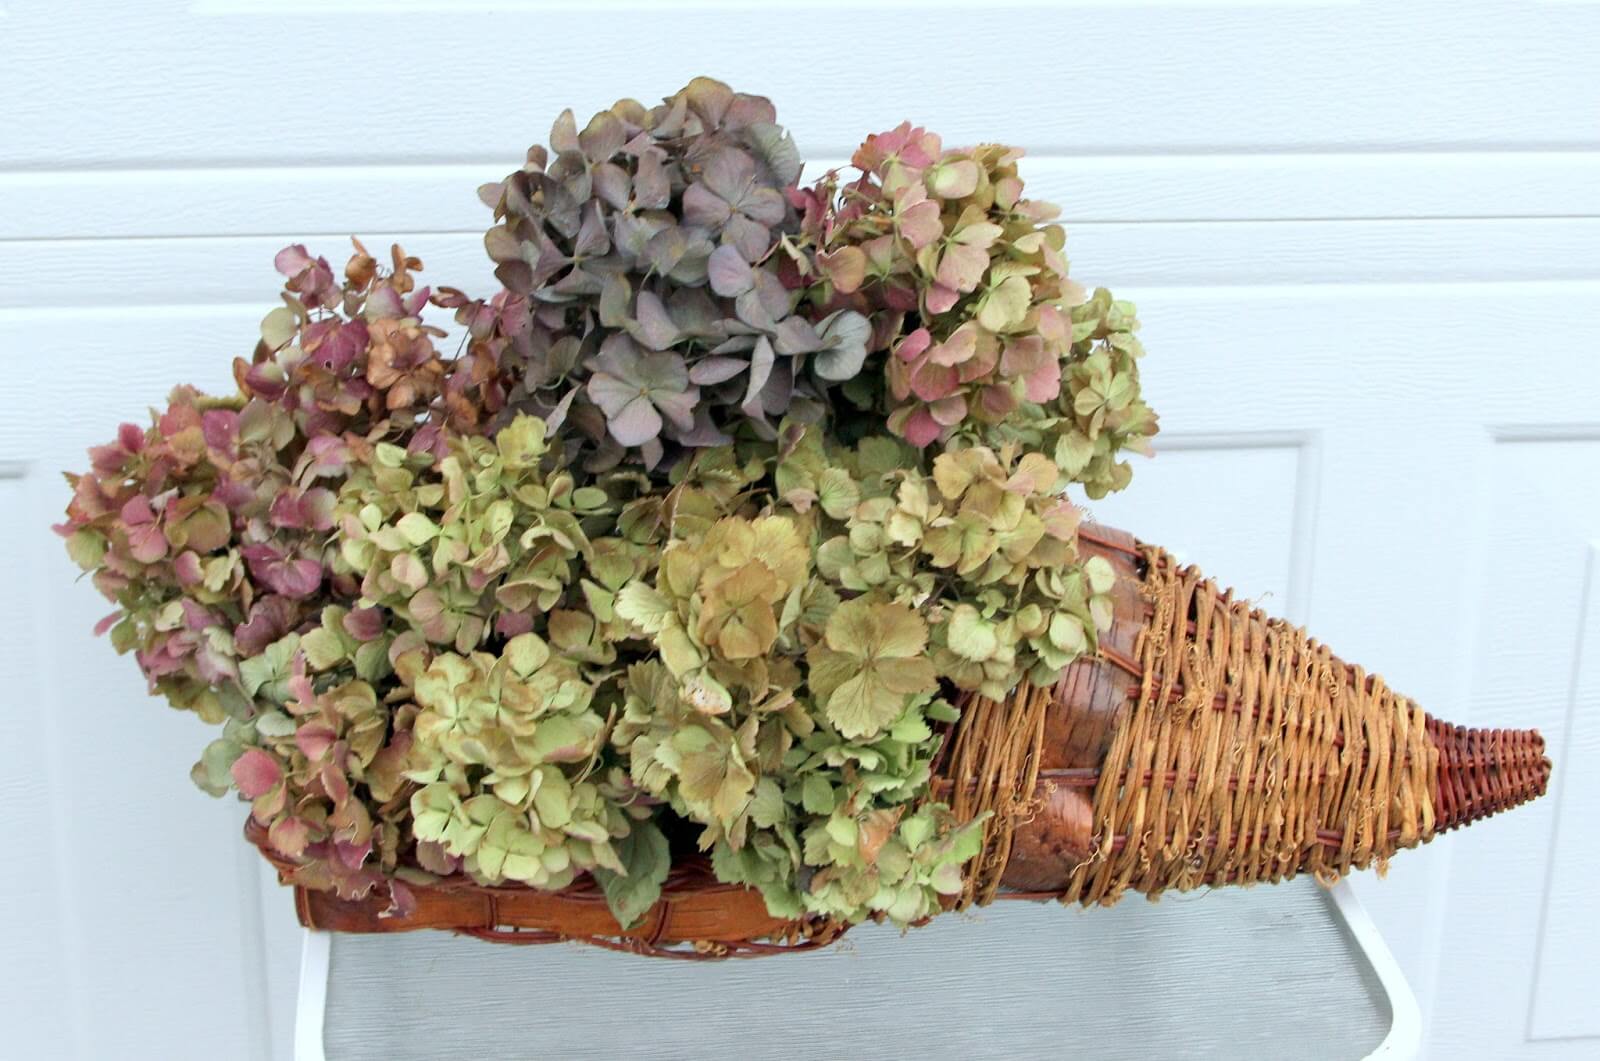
(1206, 743)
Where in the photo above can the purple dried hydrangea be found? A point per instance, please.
(651, 251)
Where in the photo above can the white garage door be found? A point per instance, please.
(1364, 237)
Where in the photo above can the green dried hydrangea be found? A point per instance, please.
(730, 497)
(807, 642)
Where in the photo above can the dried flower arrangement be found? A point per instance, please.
(730, 493)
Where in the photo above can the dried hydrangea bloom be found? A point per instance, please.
(215, 531)
(722, 502)
(644, 251)
(973, 315)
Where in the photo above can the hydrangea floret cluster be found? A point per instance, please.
(697, 541)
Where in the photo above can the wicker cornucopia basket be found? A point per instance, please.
(1205, 744)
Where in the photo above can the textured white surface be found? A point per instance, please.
(1365, 239)
(1275, 975)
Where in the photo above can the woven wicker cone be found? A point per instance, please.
(1205, 744)
(1208, 743)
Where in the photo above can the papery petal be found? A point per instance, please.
(950, 411)
(931, 382)
(136, 510)
(703, 208)
(146, 543)
(962, 267)
(920, 225)
(314, 739)
(912, 346)
(350, 855)
(921, 428)
(213, 664)
(220, 427)
(330, 455)
(728, 272)
(635, 423)
(232, 495)
(511, 624)
(285, 511)
(197, 616)
(289, 836)
(255, 772)
(714, 370)
(335, 784)
(297, 578)
(165, 657)
(187, 568)
(612, 393)
(998, 400)
(364, 624)
(292, 260)
(402, 901)
(270, 618)
(385, 302)
(1044, 383)
(940, 298)
(316, 508)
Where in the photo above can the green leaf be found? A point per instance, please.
(269, 667)
(843, 831)
(910, 729)
(278, 327)
(510, 850)
(969, 635)
(1102, 576)
(417, 528)
(767, 808)
(521, 443)
(558, 739)
(816, 795)
(588, 497)
(954, 180)
(915, 830)
(432, 808)
(372, 660)
(1005, 305)
(526, 653)
(274, 724)
(553, 799)
(469, 822)
(646, 860)
(324, 649)
(863, 705)
(644, 607)
(712, 774)
(837, 493)
(212, 773)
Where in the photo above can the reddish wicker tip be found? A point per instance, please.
(1484, 771)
